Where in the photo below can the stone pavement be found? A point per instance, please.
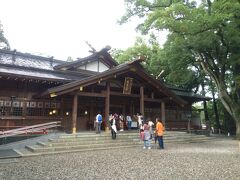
(206, 160)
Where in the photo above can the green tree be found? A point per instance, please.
(149, 50)
(209, 31)
(3, 41)
(158, 63)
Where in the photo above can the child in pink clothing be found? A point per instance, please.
(142, 134)
(145, 137)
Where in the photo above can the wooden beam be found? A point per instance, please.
(142, 100)
(74, 113)
(152, 95)
(90, 94)
(163, 112)
(135, 96)
(24, 109)
(107, 103)
(121, 94)
(153, 100)
(119, 84)
(67, 88)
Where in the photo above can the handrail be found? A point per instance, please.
(29, 129)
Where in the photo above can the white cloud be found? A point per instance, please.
(60, 28)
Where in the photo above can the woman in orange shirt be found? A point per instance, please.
(159, 132)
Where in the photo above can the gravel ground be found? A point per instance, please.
(208, 160)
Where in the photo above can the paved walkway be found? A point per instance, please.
(209, 160)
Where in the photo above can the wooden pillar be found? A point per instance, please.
(124, 109)
(142, 100)
(163, 112)
(62, 108)
(92, 119)
(152, 95)
(74, 113)
(130, 108)
(107, 104)
(62, 114)
(24, 108)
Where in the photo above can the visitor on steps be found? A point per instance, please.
(150, 123)
(159, 132)
(98, 123)
(140, 120)
(147, 135)
(121, 121)
(113, 122)
(129, 122)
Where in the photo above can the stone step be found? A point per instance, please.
(71, 137)
(27, 153)
(123, 133)
(122, 137)
(49, 150)
(93, 144)
(70, 143)
(90, 141)
(36, 148)
(93, 138)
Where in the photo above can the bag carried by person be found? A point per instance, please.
(99, 118)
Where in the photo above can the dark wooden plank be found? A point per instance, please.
(142, 100)
(74, 113)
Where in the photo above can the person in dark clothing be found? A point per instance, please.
(113, 123)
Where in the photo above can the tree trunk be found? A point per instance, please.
(216, 111)
(238, 130)
(232, 107)
(205, 108)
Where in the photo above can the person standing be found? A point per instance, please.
(129, 122)
(121, 121)
(140, 120)
(147, 136)
(159, 132)
(150, 123)
(98, 123)
(142, 136)
(113, 121)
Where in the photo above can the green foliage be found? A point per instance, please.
(3, 41)
(150, 51)
(203, 38)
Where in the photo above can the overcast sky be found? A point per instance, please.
(60, 28)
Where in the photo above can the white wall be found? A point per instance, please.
(102, 67)
(93, 66)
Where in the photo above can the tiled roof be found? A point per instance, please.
(32, 66)
(38, 74)
(186, 93)
(27, 60)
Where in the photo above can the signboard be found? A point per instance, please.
(127, 85)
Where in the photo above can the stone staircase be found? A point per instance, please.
(87, 141)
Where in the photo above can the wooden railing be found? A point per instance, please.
(30, 129)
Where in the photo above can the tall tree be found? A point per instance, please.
(160, 63)
(3, 41)
(149, 50)
(210, 31)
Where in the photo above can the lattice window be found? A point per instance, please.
(33, 108)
